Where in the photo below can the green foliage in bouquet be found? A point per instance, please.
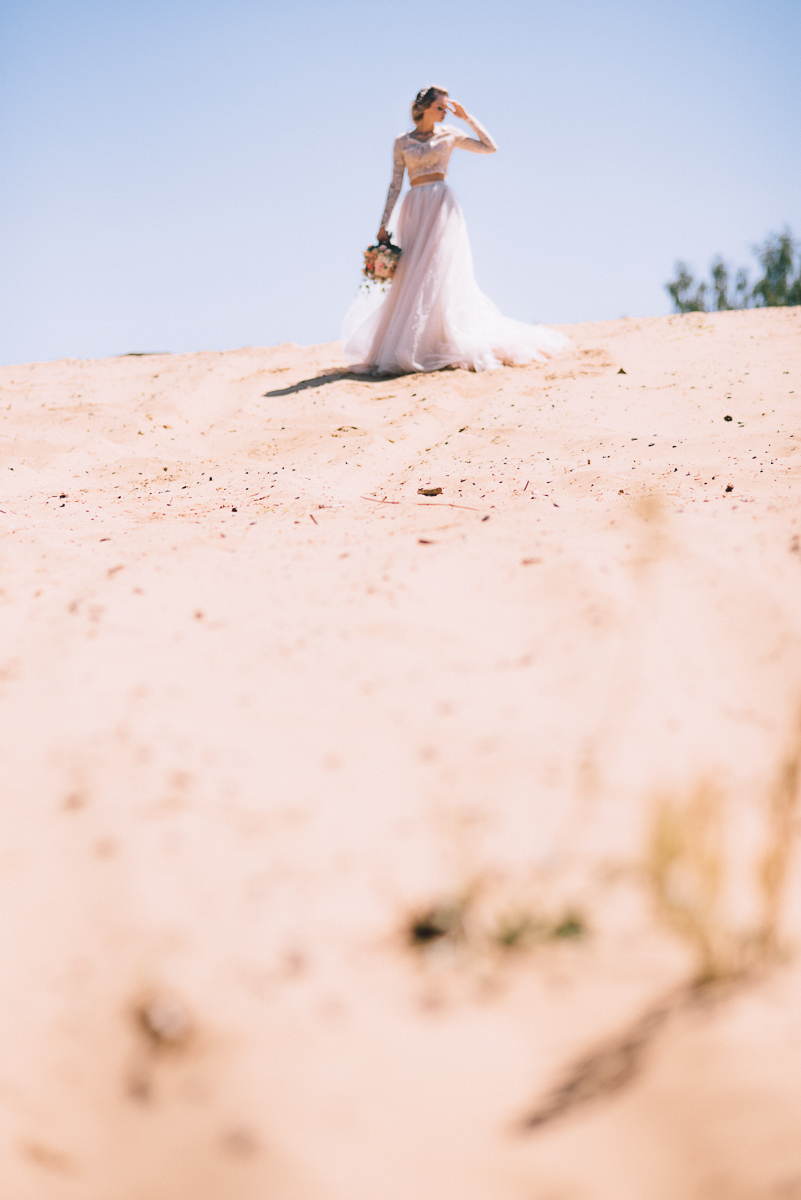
(780, 283)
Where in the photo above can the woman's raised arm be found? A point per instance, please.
(484, 144)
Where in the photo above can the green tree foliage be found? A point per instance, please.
(780, 283)
(684, 298)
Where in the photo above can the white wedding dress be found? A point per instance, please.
(434, 314)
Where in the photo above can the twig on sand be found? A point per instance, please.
(447, 504)
(425, 503)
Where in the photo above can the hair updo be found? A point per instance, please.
(424, 99)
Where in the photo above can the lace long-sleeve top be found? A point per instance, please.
(431, 157)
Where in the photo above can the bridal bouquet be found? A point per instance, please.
(380, 261)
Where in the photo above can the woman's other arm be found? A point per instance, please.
(484, 144)
(394, 189)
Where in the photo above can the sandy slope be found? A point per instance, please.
(266, 711)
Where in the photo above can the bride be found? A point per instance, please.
(434, 314)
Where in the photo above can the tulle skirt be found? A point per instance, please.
(434, 314)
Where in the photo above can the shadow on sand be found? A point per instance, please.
(329, 377)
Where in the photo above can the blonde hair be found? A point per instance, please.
(424, 99)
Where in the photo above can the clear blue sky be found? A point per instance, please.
(202, 175)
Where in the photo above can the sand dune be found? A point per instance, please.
(364, 845)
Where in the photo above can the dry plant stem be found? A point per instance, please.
(775, 864)
(685, 868)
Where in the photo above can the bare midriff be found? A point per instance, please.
(437, 177)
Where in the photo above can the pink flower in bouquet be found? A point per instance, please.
(380, 262)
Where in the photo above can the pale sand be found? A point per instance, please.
(244, 750)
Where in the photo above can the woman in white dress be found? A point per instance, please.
(434, 314)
